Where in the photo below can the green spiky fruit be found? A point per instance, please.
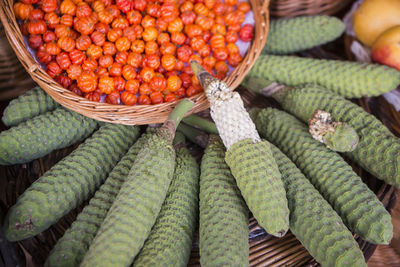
(138, 203)
(264, 193)
(313, 221)
(290, 35)
(32, 103)
(343, 139)
(39, 136)
(349, 79)
(223, 213)
(249, 158)
(72, 247)
(378, 150)
(68, 183)
(358, 206)
(135, 209)
(170, 239)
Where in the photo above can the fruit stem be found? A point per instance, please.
(199, 122)
(195, 135)
(265, 87)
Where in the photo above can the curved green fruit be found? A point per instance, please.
(259, 181)
(72, 247)
(39, 136)
(313, 221)
(223, 213)
(349, 79)
(34, 102)
(290, 35)
(68, 183)
(343, 139)
(170, 240)
(358, 206)
(134, 211)
(378, 150)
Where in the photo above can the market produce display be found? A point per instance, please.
(68, 183)
(377, 150)
(290, 35)
(336, 135)
(348, 79)
(358, 206)
(250, 159)
(146, 194)
(27, 106)
(133, 52)
(72, 247)
(313, 221)
(135, 209)
(44, 133)
(223, 212)
(171, 237)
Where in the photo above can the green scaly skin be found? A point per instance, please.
(129, 221)
(72, 247)
(358, 206)
(378, 150)
(348, 79)
(170, 240)
(68, 183)
(313, 221)
(343, 139)
(260, 183)
(44, 133)
(223, 212)
(34, 102)
(290, 35)
(135, 209)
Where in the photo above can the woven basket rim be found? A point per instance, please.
(293, 8)
(123, 114)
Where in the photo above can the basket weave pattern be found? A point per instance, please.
(129, 115)
(13, 78)
(292, 8)
(265, 250)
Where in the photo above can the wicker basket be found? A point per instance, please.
(129, 115)
(13, 78)
(292, 8)
(265, 250)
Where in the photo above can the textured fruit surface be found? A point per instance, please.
(136, 207)
(68, 183)
(32, 103)
(289, 35)
(378, 150)
(343, 139)
(348, 79)
(260, 183)
(358, 206)
(44, 133)
(170, 239)
(313, 221)
(72, 247)
(223, 212)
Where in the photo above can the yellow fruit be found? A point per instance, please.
(386, 49)
(374, 17)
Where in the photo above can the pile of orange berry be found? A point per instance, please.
(134, 51)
